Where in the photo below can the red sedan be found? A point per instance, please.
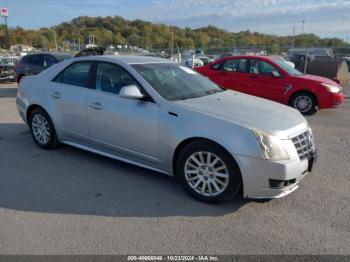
(273, 79)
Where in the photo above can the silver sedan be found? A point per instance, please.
(160, 115)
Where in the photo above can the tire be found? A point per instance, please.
(304, 102)
(194, 174)
(42, 129)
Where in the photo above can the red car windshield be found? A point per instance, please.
(290, 70)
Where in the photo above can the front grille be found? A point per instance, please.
(304, 145)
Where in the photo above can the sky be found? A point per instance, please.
(326, 18)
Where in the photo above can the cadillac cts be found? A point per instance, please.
(160, 115)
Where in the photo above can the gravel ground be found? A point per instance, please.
(67, 201)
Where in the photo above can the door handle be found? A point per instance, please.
(56, 95)
(254, 77)
(96, 106)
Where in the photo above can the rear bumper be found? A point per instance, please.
(272, 179)
(22, 109)
(330, 100)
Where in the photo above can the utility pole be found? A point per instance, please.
(172, 43)
(302, 31)
(293, 39)
(8, 34)
(5, 14)
(306, 57)
(54, 38)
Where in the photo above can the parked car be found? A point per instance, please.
(91, 51)
(347, 60)
(204, 59)
(212, 58)
(191, 61)
(272, 79)
(160, 115)
(35, 63)
(9, 60)
(228, 55)
(7, 72)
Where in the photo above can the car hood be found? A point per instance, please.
(248, 111)
(318, 79)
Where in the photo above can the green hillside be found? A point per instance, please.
(117, 31)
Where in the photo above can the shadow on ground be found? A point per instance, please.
(71, 181)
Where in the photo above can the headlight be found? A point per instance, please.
(270, 145)
(332, 89)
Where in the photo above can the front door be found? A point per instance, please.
(129, 127)
(266, 81)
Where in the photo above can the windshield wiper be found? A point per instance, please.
(214, 91)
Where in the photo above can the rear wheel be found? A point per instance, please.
(42, 129)
(304, 102)
(208, 172)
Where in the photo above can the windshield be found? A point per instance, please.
(176, 82)
(289, 69)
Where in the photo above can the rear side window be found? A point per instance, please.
(26, 59)
(37, 60)
(216, 66)
(76, 74)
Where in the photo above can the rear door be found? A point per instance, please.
(68, 94)
(265, 80)
(232, 74)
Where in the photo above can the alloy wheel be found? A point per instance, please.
(303, 104)
(206, 173)
(41, 129)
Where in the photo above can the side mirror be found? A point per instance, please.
(131, 92)
(275, 74)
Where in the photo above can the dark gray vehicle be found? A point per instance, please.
(33, 64)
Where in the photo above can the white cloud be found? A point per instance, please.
(324, 17)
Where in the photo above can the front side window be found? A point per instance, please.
(261, 68)
(111, 78)
(76, 74)
(235, 65)
(176, 82)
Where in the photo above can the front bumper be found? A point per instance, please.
(259, 175)
(330, 100)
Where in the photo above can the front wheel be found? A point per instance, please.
(208, 172)
(304, 102)
(42, 129)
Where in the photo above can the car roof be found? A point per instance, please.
(128, 59)
(262, 57)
